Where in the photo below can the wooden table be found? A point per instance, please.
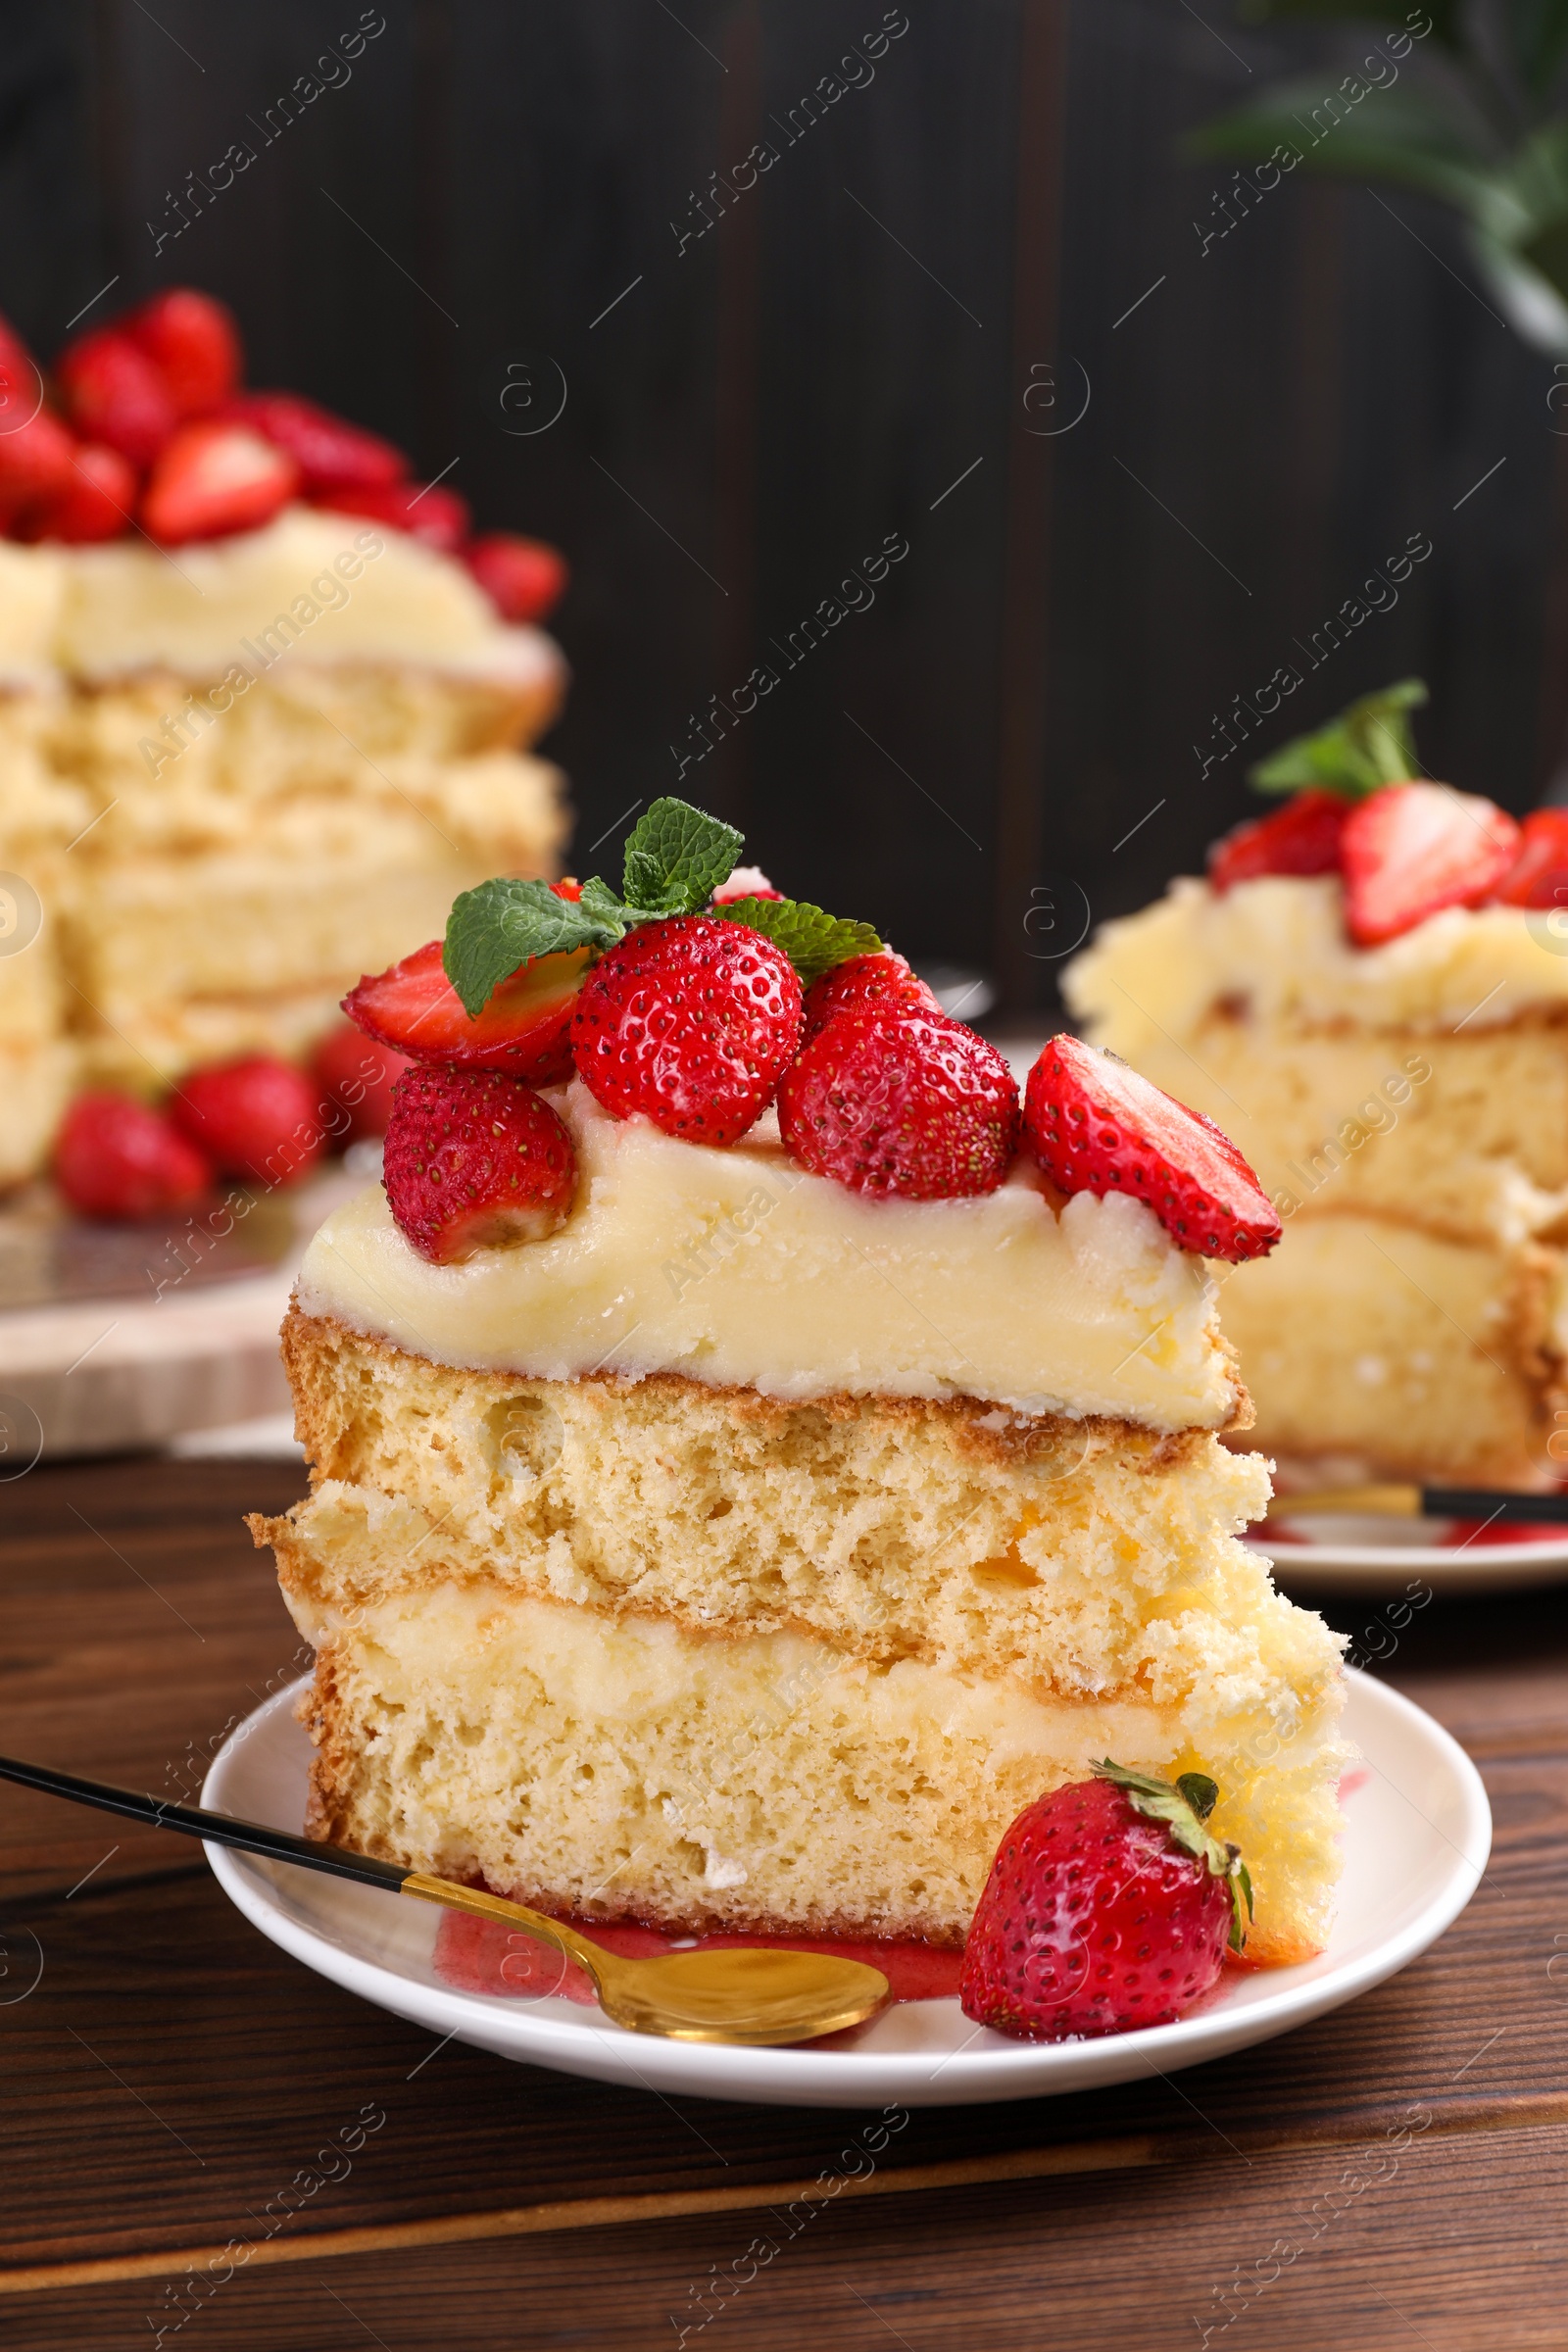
(1390, 2176)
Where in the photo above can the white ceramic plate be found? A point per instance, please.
(1379, 1556)
(1418, 1830)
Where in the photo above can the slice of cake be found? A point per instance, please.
(260, 720)
(730, 1517)
(1370, 993)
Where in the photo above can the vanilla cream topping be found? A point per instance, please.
(1276, 948)
(312, 587)
(734, 1267)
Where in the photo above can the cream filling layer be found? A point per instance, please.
(736, 1268)
(1279, 943)
(317, 587)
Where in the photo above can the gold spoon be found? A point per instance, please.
(749, 1993)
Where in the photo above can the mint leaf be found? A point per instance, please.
(500, 925)
(1369, 744)
(812, 941)
(676, 857)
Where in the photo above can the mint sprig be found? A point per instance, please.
(1183, 1809)
(812, 941)
(675, 859)
(1369, 744)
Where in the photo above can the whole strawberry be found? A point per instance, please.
(116, 1158)
(474, 1161)
(1096, 1126)
(908, 1104)
(258, 1118)
(1108, 1909)
(867, 984)
(690, 1021)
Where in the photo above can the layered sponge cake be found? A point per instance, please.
(1387, 1042)
(266, 710)
(743, 1544)
(238, 775)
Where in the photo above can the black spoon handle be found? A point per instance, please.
(251, 1837)
(1485, 1503)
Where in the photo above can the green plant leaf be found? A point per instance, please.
(1397, 134)
(1369, 744)
(812, 941)
(500, 925)
(677, 856)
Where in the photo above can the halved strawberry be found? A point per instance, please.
(474, 1161)
(424, 509)
(524, 578)
(193, 342)
(1414, 849)
(113, 392)
(525, 1029)
(1302, 837)
(97, 500)
(331, 452)
(1540, 873)
(1095, 1126)
(35, 461)
(213, 478)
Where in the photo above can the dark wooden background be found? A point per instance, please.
(965, 761)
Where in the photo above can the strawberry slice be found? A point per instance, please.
(524, 578)
(474, 1161)
(331, 452)
(525, 1028)
(35, 462)
(213, 478)
(1414, 849)
(113, 392)
(193, 342)
(1539, 876)
(96, 500)
(1095, 1126)
(424, 509)
(1302, 837)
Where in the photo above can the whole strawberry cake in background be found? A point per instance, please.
(756, 1458)
(1370, 991)
(265, 713)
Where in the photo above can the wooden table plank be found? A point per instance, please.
(172, 2072)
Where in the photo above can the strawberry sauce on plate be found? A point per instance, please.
(481, 1956)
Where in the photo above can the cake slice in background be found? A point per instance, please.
(1370, 992)
(260, 721)
(749, 1541)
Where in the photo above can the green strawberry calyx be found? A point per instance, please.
(1184, 1806)
(677, 856)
